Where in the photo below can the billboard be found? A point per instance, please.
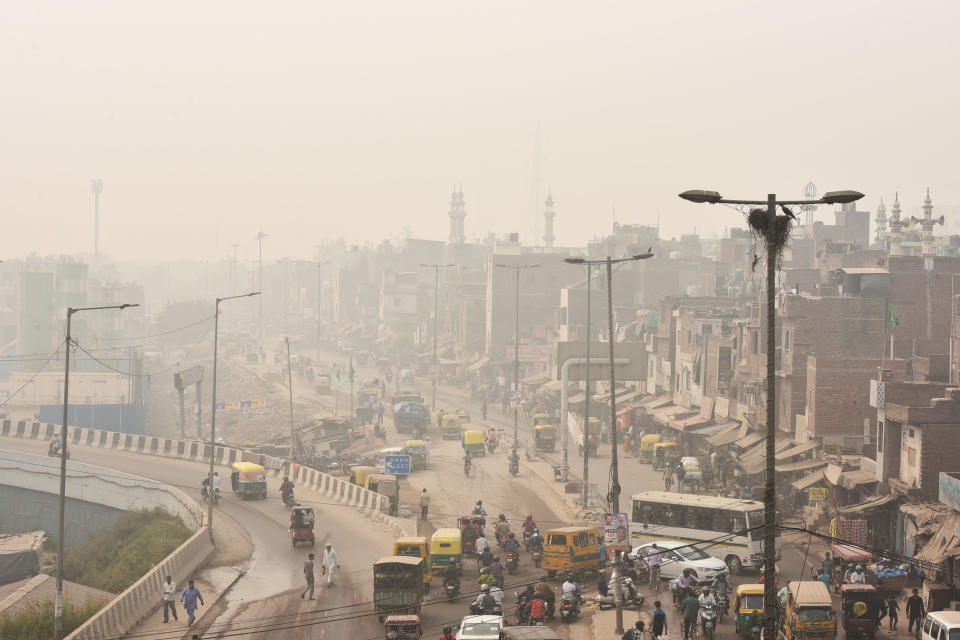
(616, 532)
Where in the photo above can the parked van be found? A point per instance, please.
(940, 625)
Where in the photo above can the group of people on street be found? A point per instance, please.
(327, 566)
(190, 597)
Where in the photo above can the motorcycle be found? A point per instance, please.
(723, 607)
(205, 494)
(514, 468)
(288, 500)
(628, 592)
(679, 595)
(512, 562)
(537, 557)
(54, 451)
(491, 445)
(466, 469)
(708, 620)
(497, 610)
(568, 610)
(452, 589)
(527, 534)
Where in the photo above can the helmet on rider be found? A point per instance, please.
(485, 588)
(511, 535)
(479, 503)
(503, 518)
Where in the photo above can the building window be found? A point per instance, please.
(912, 433)
(911, 456)
(880, 436)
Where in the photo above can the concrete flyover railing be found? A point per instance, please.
(122, 491)
(336, 488)
(129, 608)
(98, 485)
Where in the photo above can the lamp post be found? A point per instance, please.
(770, 494)
(259, 238)
(435, 367)
(614, 468)
(213, 408)
(58, 613)
(516, 348)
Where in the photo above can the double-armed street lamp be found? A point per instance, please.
(516, 350)
(614, 470)
(58, 612)
(213, 410)
(773, 238)
(435, 366)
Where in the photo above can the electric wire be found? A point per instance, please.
(31, 378)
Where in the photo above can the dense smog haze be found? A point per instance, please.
(534, 320)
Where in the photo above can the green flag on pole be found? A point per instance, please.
(351, 369)
(893, 320)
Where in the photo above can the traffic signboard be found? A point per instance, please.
(514, 399)
(397, 465)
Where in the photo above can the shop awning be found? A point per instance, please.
(852, 479)
(753, 461)
(751, 439)
(871, 504)
(665, 414)
(712, 429)
(726, 436)
(689, 422)
(624, 410)
(479, 363)
(803, 465)
(944, 542)
(808, 480)
(536, 379)
(656, 402)
(580, 397)
(797, 450)
(627, 397)
(600, 397)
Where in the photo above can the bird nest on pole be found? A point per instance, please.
(758, 221)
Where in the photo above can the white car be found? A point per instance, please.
(481, 628)
(675, 556)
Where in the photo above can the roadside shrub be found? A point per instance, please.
(36, 622)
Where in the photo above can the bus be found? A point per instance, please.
(730, 528)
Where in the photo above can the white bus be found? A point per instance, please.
(730, 529)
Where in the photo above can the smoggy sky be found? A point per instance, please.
(209, 120)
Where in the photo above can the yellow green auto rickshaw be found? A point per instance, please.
(666, 454)
(545, 437)
(248, 480)
(647, 443)
(446, 546)
(416, 547)
(418, 453)
(748, 611)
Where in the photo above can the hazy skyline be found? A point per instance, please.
(208, 121)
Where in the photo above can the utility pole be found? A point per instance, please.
(614, 469)
(97, 186)
(294, 449)
(213, 408)
(435, 367)
(317, 314)
(516, 351)
(770, 493)
(259, 238)
(61, 511)
(584, 491)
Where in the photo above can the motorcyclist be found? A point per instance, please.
(529, 525)
(707, 599)
(485, 602)
(571, 592)
(485, 558)
(722, 588)
(205, 487)
(55, 443)
(478, 509)
(686, 584)
(497, 570)
(497, 594)
(467, 460)
(486, 578)
(286, 488)
(515, 459)
(451, 575)
(216, 481)
(502, 529)
(511, 546)
(546, 594)
(481, 545)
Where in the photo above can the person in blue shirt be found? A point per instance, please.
(189, 597)
(658, 621)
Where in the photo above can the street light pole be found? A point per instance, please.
(213, 407)
(516, 349)
(770, 493)
(259, 238)
(61, 510)
(435, 367)
(584, 492)
(614, 469)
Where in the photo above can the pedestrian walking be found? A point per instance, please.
(658, 621)
(308, 576)
(915, 611)
(424, 504)
(329, 563)
(893, 612)
(169, 599)
(667, 479)
(190, 597)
